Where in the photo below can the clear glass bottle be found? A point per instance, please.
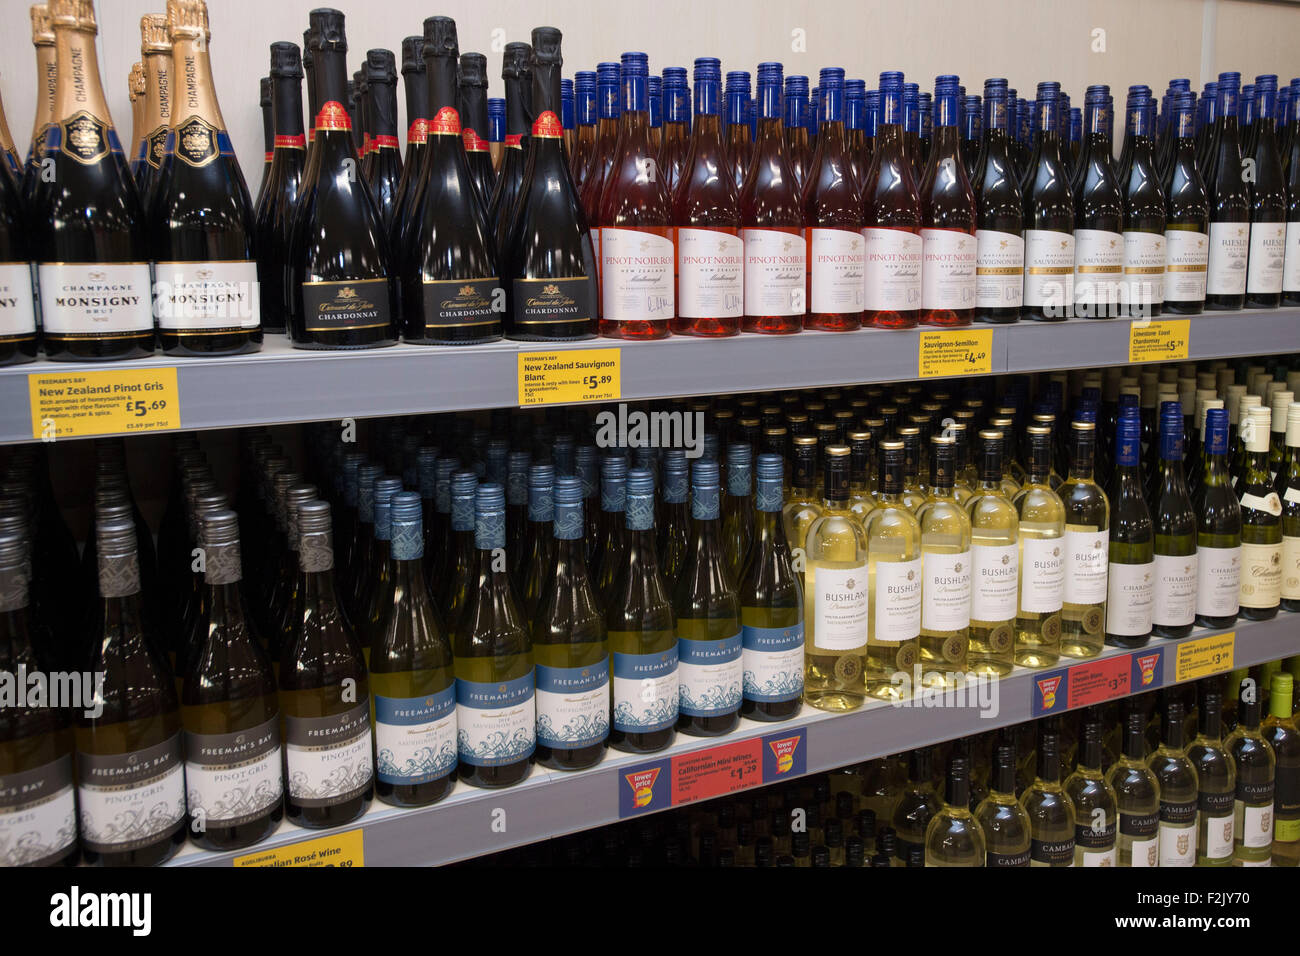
(1050, 811)
(1093, 798)
(1256, 764)
(1218, 530)
(1216, 780)
(895, 579)
(802, 506)
(995, 564)
(1179, 789)
(738, 507)
(1131, 571)
(1261, 523)
(1280, 730)
(1137, 795)
(916, 806)
(953, 836)
(1004, 821)
(1041, 522)
(946, 589)
(1087, 540)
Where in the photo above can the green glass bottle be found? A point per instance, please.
(1287, 486)
(1281, 731)
(1132, 543)
(674, 520)
(738, 507)
(611, 535)
(461, 560)
(1261, 524)
(375, 599)
(1041, 521)
(1094, 800)
(1087, 543)
(1216, 780)
(953, 836)
(1004, 821)
(1218, 531)
(946, 556)
(1051, 814)
(1255, 763)
(995, 564)
(1173, 605)
(1137, 795)
(539, 539)
(1179, 789)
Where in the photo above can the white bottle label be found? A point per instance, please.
(1174, 600)
(710, 675)
(1145, 852)
(1130, 597)
(572, 705)
(1226, 266)
(999, 269)
(1186, 254)
(773, 662)
(1218, 837)
(1049, 270)
(893, 271)
(233, 778)
(948, 269)
(1144, 268)
(38, 813)
(1178, 843)
(840, 607)
(196, 296)
(329, 759)
(1291, 264)
(126, 800)
(898, 600)
(1267, 253)
(97, 300)
(837, 263)
(1291, 568)
(1256, 825)
(1098, 269)
(1269, 503)
(17, 309)
(1042, 574)
(710, 274)
(1086, 558)
(1261, 575)
(1218, 581)
(775, 272)
(645, 691)
(995, 580)
(1101, 857)
(636, 276)
(946, 592)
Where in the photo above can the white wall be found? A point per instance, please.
(1144, 41)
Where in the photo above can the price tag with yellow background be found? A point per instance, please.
(78, 404)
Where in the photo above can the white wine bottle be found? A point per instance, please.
(1256, 764)
(1132, 543)
(1050, 811)
(1173, 606)
(1280, 731)
(1093, 798)
(1137, 793)
(1218, 531)
(1261, 523)
(894, 576)
(995, 564)
(954, 837)
(1041, 522)
(1087, 542)
(1004, 821)
(1216, 781)
(1179, 789)
(917, 803)
(946, 561)
(802, 506)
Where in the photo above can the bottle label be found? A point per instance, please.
(234, 778)
(1286, 804)
(207, 296)
(101, 300)
(548, 126)
(1291, 263)
(83, 137)
(645, 691)
(1174, 600)
(415, 737)
(1086, 560)
(1144, 268)
(17, 307)
(1216, 810)
(1261, 575)
(1049, 270)
(1178, 834)
(898, 600)
(839, 608)
(994, 859)
(1267, 255)
(155, 146)
(773, 662)
(474, 143)
(995, 579)
(1108, 857)
(999, 269)
(1186, 254)
(351, 304)
(1130, 599)
(198, 143)
(1253, 822)
(1290, 589)
(128, 799)
(1269, 503)
(1051, 853)
(547, 301)
(710, 274)
(1140, 831)
(636, 275)
(946, 593)
(837, 263)
(329, 758)
(1095, 846)
(893, 269)
(709, 676)
(38, 813)
(572, 705)
(776, 263)
(948, 269)
(1226, 265)
(461, 303)
(1218, 581)
(1098, 270)
(1042, 574)
(496, 724)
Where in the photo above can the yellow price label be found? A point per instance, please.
(78, 404)
(338, 849)
(957, 352)
(1163, 341)
(1205, 656)
(572, 375)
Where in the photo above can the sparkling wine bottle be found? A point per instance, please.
(275, 215)
(385, 174)
(472, 84)
(516, 73)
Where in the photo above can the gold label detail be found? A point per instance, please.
(157, 147)
(1000, 638)
(1092, 620)
(847, 668)
(196, 142)
(1052, 628)
(954, 649)
(85, 138)
(906, 657)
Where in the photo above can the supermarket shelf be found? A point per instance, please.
(281, 384)
(473, 822)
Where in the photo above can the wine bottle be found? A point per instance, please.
(1144, 220)
(795, 122)
(1187, 217)
(372, 596)
(1043, 547)
(386, 154)
(1099, 215)
(135, 81)
(609, 95)
(740, 139)
(1291, 161)
(472, 84)
(833, 213)
(47, 77)
(972, 132)
(1280, 730)
(611, 528)
(1230, 203)
(1137, 794)
(18, 331)
(496, 106)
(1093, 798)
(1287, 486)
(539, 541)
(416, 85)
(855, 126)
(1049, 216)
(948, 219)
(340, 270)
(1268, 203)
(995, 564)
(738, 508)
(1218, 531)
(953, 836)
(449, 276)
(496, 713)
(706, 207)
(130, 765)
(460, 560)
(276, 211)
(676, 127)
(1174, 520)
(516, 73)
(916, 806)
(550, 263)
(1179, 788)
(894, 583)
(946, 551)
(891, 220)
(1087, 544)
(1050, 811)
(674, 521)
(635, 218)
(1001, 817)
(1255, 763)
(588, 114)
(268, 140)
(1131, 570)
(1216, 781)
(88, 234)
(999, 216)
(1261, 524)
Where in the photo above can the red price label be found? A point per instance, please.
(1099, 681)
(719, 770)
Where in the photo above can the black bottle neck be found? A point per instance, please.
(286, 106)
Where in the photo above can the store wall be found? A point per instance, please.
(1079, 42)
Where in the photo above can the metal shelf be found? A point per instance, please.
(281, 384)
(472, 822)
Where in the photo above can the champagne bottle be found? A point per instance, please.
(206, 294)
(995, 564)
(275, 213)
(570, 646)
(47, 84)
(1216, 781)
(1050, 810)
(233, 770)
(1255, 763)
(949, 221)
(999, 216)
(517, 75)
(946, 552)
(1131, 571)
(548, 258)
(130, 765)
(1229, 203)
(340, 271)
(953, 836)
(386, 155)
(1174, 597)
(1004, 821)
(88, 234)
(1187, 215)
(471, 81)
(1280, 730)
(416, 85)
(1179, 789)
(1142, 290)
(1087, 540)
(1268, 203)
(1137, 795)
(18, 331)
(1261, 524)
(496, 712)
(1093, 798)
(894, 583)
(1043, 547)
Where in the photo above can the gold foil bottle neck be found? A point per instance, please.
(42, 25)
(187, 19)
(78, 14)
(154, 35)
(137, 80)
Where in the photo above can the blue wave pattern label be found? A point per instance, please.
(572, 705)
(415, 737)
(773, 662)
(495, 723)
(709, 675)
(645, 691)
